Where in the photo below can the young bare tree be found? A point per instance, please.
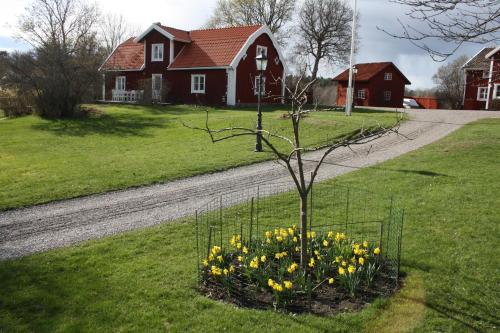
(450, 82)
(293, 157)
(452, 21)
(62, 68)
(273, 13)
(324, 33)
(113, 30)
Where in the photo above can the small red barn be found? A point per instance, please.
(213, 66)
(482, 80)
(375, 84)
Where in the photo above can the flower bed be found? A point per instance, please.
(340, 273)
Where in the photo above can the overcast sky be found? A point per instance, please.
(191, 14)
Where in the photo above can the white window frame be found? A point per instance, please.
(161, 48)
(119, 79)
(387, 95)
(486, 74)
(479, 89)
(361, 94)
(256, 86)
(388, 76)
(496, 91)
(259, 48)
(195, 86)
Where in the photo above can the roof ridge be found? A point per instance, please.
(229, 27)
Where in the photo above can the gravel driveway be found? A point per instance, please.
(39, 228)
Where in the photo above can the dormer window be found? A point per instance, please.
(157, 52)
(260, 49)
(388, 76)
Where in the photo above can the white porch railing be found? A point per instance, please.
(127, 95)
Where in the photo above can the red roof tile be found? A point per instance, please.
(129, 55)
(367, 71)
(207, 48)
(213, 47)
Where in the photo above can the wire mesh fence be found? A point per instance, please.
(359, 213)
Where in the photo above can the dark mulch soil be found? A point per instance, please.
(326, 300)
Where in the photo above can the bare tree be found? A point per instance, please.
(450, 82)
(451, 21)
(113, 30)
(62, 68)
(324, 33)
(273, 13)
(293, 158)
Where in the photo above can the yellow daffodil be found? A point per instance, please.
(316, 252)
(263, 258)
(216, 250)
(254, 263)
(279, 239)
(325, 243)
(216, 270)
(220, 258)
(311, 262)
(205, 262)
(226, 272)
(278, 287)
(269, 234)
(293, 267)
(331, 280)
(297, 249)
(245, 250)
(351, 269)
(231, 269)
(330, 234)
(238, 246)
(290, 231)
(210, 257)
(341, 271)
(376, 251)
(361, 261)
(270, 283)
(295, 239)
(337, 259)
(240, 258)
(288, 284)
(365, 244)
(343, 263)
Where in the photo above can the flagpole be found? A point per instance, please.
(349, 99)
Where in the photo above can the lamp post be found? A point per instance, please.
(261, 61)
(348, 107)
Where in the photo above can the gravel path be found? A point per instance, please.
(39, 228)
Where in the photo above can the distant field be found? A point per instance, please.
(43, 160)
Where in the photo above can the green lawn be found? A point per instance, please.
(144, 281)
(44, 160)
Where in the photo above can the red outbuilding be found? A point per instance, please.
(375, 84)
(213, 66)
(482, 80)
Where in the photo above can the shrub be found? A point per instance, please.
(272, 265)
(15, 104)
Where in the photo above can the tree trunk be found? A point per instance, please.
(303, 230)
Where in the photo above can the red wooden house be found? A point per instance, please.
(375, 84)
(214, 66)
(482, 80)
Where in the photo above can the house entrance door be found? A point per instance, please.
(156, 82)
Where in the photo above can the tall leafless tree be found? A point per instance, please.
(292, 158)
(450, 83)
(452, 21)
(273, 13)
(324, 32)
(113, 30)
(61, 70)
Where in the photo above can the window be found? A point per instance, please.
(496, 91)
(156, 85)
(198, 84)
(361, 94)
(482, 93)
(388, 76)
(262, 87)
(486, 74)
(387, 95)
(260, 49)
(277, 60)
(120, 83)
(157, 52)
